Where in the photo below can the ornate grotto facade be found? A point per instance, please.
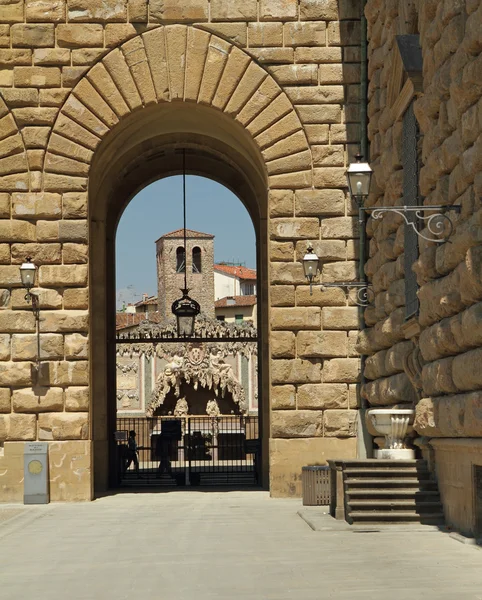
(272, 98)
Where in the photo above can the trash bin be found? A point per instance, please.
(315, 482)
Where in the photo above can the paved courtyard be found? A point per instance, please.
(215, 545)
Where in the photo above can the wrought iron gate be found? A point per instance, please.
(188, 451)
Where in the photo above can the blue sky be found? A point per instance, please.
(157, 209)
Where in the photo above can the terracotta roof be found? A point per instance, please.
(190, 233)
(124, 319)
(229, 301)
(150, 300)
(240, 272)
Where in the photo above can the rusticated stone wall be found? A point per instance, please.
(285, 73)
(440, 350)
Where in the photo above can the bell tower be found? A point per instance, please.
(171, 262)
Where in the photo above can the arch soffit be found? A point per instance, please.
(171, 64)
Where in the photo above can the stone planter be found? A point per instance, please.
(395, 424)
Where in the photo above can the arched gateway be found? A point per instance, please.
(121, 127)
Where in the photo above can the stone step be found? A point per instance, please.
(388, 471)
(384, 482)
(380, 516)
(393, 493)
(377, 462)
(390, 504)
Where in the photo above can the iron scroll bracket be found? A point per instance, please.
(438, 224)
(364, 295)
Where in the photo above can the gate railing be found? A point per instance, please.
(189, 450)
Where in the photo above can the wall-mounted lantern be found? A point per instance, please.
(359, 177)
(27, 275)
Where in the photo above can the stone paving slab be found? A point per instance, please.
(232, 545)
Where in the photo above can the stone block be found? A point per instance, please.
(321, 344)
(76, 346)
(17, 231)
(237, 33)
(295, 371)
(311, 203)
(282, 344)
(345, 370)
(301, 75)
(278, 10)
(305, 34)
(47, 299)
(62, 276)
(340, 228)
(302, 228)
(329, 156)
(38, 400)
(63, 426)
(296, 318)
(40, 253)
(339, 271)
(283, 397)
(5, 255)
(321, 113)
(390, 390)
(179, 12)
(73, 231)
(18, 97)
(340, 317)
(326, 250)
(282, 295)
(290, 145)
(64, 373)
(51, 56)
(64, 321)
(339, 423)
(265, 34)
(6, 400)
(36, 206)
(322, 396)
(78, 35)
(4, 346)
(319, 297)
(77, 399)
(343, 33)
(285, 272)
(17, 427)
(76, 299)
(10, 276)
(452, 416)
(281, 251)
(18, 374)
(41, 77)
(296, 423)
(75, 253)
(11, 58)
(74, 205)
(234, 10)
(14, 321)
(45, 11)
(86, 56)
(324, 10)
(24, 347)
(96, 11)
(272, 56)
(32, 35)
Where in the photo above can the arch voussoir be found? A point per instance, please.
(14, 172)
(197, 49)
(136, 59)
(177, 63)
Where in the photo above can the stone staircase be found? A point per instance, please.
(391, 491)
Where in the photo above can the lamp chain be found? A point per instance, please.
(184, 210)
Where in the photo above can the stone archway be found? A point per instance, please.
(119, 129)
